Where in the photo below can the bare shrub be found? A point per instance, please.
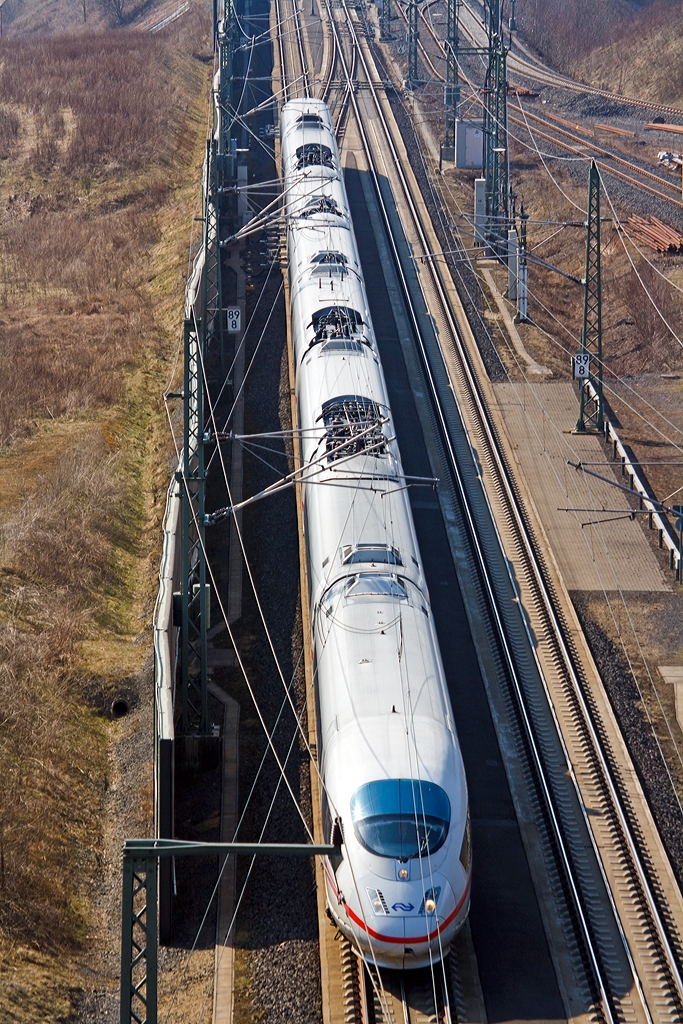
(566, 32)
(62, 534)
(87, 255)
(48, 756)
(77, 319)
(55, 365)
(116, 9)
(50, 743)
(649, 346)
(9, 131)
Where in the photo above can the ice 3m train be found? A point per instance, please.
(392, 774)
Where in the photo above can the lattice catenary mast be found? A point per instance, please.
(591, 407)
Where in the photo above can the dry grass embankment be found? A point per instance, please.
(645, 59)
(101, 138)
(633, 47)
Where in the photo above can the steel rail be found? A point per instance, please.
(542, 585)
(561, 131)
(281, 48)
(599, 149)
(558, 632)
(461, 489)
(327, 88)
(410, 997)
(547, 76)
(596, 745)
(289, 80)
(300, 44)
(601, 163)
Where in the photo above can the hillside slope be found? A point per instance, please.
(101, 143)
(646, 60)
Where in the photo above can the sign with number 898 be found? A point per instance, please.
(233, 319)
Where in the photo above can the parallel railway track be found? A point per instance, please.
(472, 27)
(620, 907)
(555, 134)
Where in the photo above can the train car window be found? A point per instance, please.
(321, 204)
(329, 264)
(400, 818)
(330, 257)
(370, 553)
(353, 425)
(367, 584)
(310, 121)
(313, 154)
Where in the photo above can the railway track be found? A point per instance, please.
(618, 907)
(555, 134)
(472, 27)
(292, 55)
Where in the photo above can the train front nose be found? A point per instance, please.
(406, 926)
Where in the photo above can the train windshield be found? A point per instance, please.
(400, 818)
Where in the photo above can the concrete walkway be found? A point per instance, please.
(601, 547)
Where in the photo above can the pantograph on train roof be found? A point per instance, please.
(336, 322)
(353, 426)
(313, 154)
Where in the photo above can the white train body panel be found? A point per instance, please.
(388, 751)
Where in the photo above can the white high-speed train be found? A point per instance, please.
(393, 779)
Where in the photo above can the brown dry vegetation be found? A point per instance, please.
(634, 47)
(23, 18)
(101, 139)
(645, 59)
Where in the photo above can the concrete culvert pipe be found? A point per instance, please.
(119, 707)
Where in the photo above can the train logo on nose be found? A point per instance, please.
(405, 907)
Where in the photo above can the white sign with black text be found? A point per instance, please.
(581, 364)
(233, 319)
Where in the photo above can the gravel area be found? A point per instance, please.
(277, 958)
(643, 741)
(277, 963)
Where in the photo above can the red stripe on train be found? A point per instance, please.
(419, 938)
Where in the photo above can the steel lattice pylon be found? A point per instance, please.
(591, 408)
(226, 32)
(496, 141)
(139, 951)
(139, 941)
(212, 330)
(194, 716)
(385, 21)
(451, 89)
(413, 36)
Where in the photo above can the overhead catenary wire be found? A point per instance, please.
(225, 619)
(671, 963)
(631, 668)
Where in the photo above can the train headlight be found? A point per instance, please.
(403, 874)
(377, 906)
(430, 906)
